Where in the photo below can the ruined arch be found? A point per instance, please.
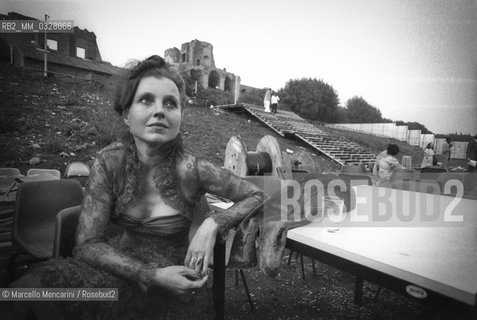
(214, 79)
(195, 74)
(228, 84)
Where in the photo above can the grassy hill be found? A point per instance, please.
(56, 120)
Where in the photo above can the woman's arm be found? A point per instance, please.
(93, 248)
(221, 182)
(246, 196)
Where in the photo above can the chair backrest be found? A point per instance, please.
(65, 231)
(445, 177)
(54, 172)
(10, 172)
(352, 180)
(431, 173)
(470, 184)
(418, 185)
(76, 169)
(402, 174)
(6, 183)
(36, 206)
(353, 169)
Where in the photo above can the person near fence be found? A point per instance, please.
(471, 154)
(149, 185)
(446, 153)
(428, 156)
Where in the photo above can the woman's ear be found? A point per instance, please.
(126, 119)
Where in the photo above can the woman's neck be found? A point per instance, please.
(147, 154)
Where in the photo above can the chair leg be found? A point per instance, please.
(302, 267)
(249, 297)
(377, 294)
(358, 291)
(11, 267)
(290, 256)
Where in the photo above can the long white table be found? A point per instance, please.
(431, 260)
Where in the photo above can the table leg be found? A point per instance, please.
(358, 291)
(219, 280)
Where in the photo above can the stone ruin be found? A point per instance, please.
(196, 59)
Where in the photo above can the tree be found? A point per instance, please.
(414, 126)
(311, 98)
(360, 111)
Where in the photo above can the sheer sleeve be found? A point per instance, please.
(246, 196)
(92, 246)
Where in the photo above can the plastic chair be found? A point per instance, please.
(355, 180)
(444, 177)
(431, 173)
(54, 172)
(402, 174)
(65, 232)
(34, 221)
(10, 172)
(77, 170)
(418, 185)
(470, 185)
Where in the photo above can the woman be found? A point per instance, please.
(266, 100)
(149, 185)
(386, 163)
(428, 156)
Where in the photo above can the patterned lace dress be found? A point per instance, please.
(102, 260)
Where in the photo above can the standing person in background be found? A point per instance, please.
(471, 154)
(428, 156)
(266, 100)
(274, 100)
(386, 163)
(446, 153)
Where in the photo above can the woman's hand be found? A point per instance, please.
(201, 247)
(178, 279)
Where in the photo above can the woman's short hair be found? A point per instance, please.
(152, 66)
(393, 149)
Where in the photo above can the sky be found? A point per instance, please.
(414, 60)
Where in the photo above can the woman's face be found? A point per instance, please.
(155, 113)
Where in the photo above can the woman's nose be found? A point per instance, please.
(158, 110)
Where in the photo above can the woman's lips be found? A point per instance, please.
(158, 124)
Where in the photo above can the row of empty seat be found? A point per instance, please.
(27, 229)
(336, 148)
(427, 180)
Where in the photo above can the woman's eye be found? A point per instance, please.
(170, 104)
(145, 100)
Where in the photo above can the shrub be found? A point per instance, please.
(215, 96)
(253, 97)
